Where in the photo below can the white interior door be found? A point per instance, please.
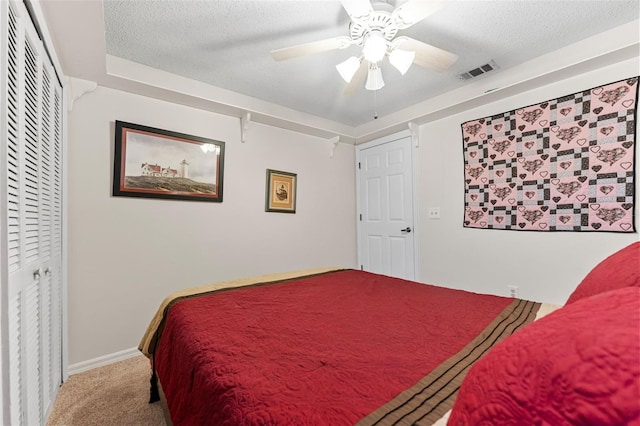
(385, 200)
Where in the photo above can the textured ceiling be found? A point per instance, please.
(226, 43)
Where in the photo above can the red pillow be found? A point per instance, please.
(579, 365)
(621, 269)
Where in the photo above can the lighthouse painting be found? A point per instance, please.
(157, 163)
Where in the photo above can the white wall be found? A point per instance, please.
(126, 254)
(546, 266)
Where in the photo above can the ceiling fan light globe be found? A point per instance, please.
(348, 68)
(375, 47)
(374, 79)
(402, 59)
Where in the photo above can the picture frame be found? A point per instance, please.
(281, 191)
(156, 163)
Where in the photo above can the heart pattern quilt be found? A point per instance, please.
(561, 165)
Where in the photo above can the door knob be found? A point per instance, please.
(407, 229)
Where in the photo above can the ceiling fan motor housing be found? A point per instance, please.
(379, 20)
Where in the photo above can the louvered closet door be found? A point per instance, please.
(13, 221)
(54, 334)
(50, 226)
(34, 221)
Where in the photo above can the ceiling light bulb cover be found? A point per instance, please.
(348, 68)
(374, 79)
(402, 59)
(375, 47)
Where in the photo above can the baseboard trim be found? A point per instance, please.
(103, 360)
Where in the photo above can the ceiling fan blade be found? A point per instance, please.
(414, 11)
(427, 56)
(357, 9)
(310, 48)
(358, 79)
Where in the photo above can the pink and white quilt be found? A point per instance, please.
(561, 165)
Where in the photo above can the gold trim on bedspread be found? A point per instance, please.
(434, 395)
(147, 344)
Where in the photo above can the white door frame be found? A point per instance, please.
(415, 226)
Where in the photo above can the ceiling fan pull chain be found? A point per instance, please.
(375, 104)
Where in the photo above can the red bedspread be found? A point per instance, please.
(323, 350)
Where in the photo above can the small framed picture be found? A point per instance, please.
(156, 163)
(281, 192)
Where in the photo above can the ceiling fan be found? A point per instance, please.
(375, 29)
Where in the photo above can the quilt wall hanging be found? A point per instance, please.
(565, 164)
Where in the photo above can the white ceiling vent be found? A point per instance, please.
(477, 72)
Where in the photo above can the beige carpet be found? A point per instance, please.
(116, 394)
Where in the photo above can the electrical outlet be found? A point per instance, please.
(513, 291)
(434, 213)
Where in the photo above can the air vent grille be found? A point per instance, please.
(477, 72)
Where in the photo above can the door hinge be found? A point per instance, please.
(359, 165)
(360, 217)
(362, 267)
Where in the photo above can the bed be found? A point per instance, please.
(344, 347)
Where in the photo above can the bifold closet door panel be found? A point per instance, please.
(33, 159)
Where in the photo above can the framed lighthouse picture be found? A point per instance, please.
(157, 163)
